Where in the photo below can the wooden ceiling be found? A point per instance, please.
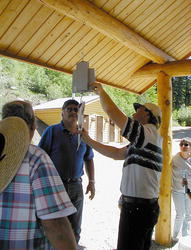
(116, 37)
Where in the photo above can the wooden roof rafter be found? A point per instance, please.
(91, 15)
(177, 68)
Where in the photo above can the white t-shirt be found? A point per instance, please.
(143, 164)
(181, 168)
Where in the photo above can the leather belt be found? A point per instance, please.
(69, 180)
(136, 200)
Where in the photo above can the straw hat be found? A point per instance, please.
(155, 110)
(14, 143)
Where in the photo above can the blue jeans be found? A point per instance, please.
(136, 225)
(75, 192)
(182, 205)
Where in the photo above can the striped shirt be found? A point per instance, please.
(143, 164)
(36, 191)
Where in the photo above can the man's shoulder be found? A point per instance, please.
(35, 150)
(37, 155)
(54, 126)
(152, 135)
(176, 157)
(150, 126)
(152, 129)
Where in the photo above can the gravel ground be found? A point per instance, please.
(101, 215)
(174, 246)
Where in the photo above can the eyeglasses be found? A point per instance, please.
(184, 144)
(70, 109)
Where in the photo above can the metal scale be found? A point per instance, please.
(81, 79)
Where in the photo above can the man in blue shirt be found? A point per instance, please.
(60, 141)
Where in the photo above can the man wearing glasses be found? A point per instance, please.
(60, 141)
(181, 187)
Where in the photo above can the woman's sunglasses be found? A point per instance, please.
(184, 144)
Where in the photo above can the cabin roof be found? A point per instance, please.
(58, 103)
(50, 112)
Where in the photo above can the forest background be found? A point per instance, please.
(36, 84)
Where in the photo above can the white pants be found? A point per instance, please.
(182, 205)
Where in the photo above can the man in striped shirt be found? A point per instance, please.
(141, 170)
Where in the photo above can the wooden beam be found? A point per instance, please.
(119, 87)
(178, 68)
(91, 15)
(163, 227)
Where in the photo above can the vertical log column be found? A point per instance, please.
(163, 228)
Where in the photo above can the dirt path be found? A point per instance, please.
(100, 218)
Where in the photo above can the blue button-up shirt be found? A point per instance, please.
(61, 146)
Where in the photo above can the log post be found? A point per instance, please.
(163, 227)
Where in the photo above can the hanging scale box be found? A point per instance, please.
(82, 77)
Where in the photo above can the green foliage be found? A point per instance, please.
(49, 83)
(29, 82)
(183, 116)
(124, 99)
(182, 100)
(175, 122)
(149, 96)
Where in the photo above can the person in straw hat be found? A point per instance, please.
(33, 202)
(141, 170)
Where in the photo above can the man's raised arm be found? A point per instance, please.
(115, 114)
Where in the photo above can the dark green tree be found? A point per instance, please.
(181, 91)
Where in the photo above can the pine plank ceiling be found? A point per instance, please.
(116, 37)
